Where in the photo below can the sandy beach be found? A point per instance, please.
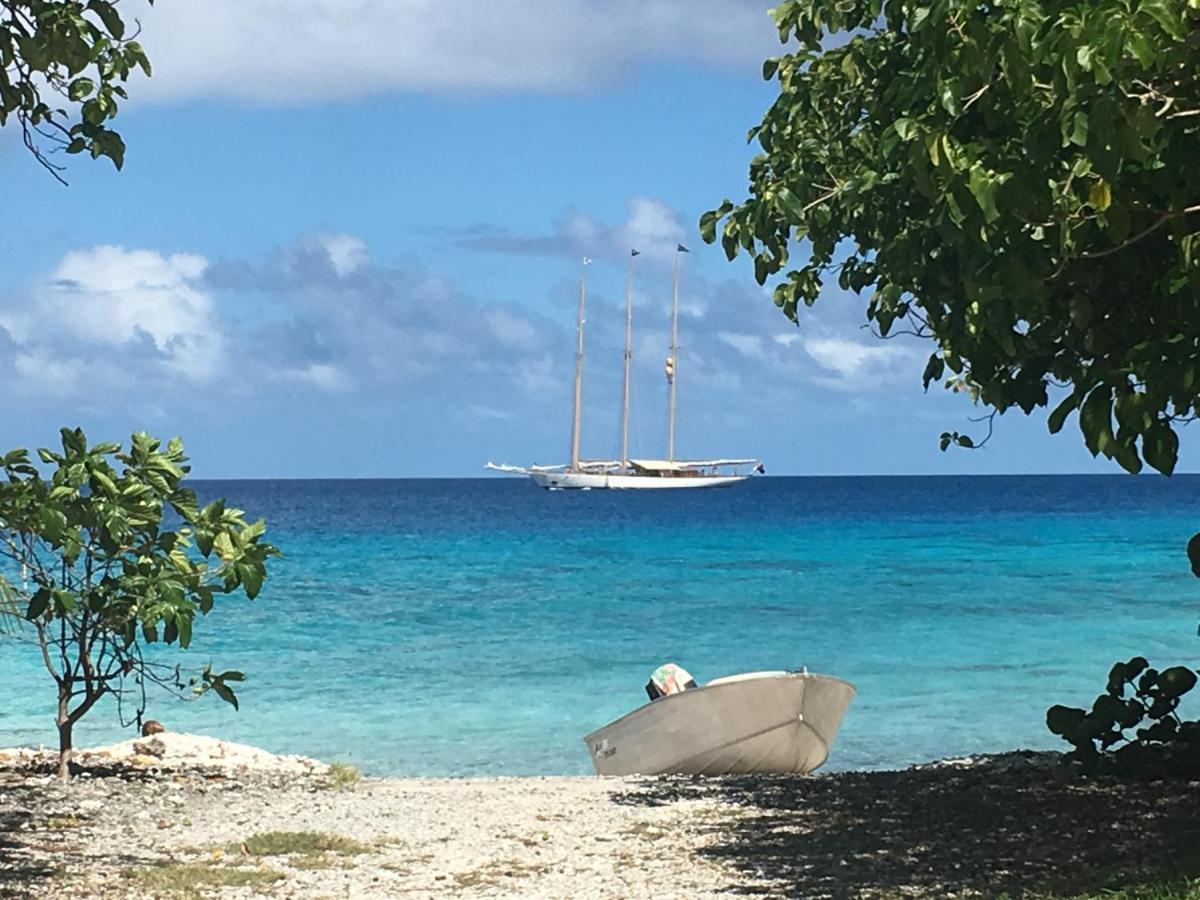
(177, 816)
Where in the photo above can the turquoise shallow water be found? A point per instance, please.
(478, 627)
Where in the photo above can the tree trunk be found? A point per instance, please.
(65, 728)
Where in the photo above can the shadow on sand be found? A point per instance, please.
(1009, 826)
(20, 870)
(37, 821)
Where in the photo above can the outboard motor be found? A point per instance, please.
(669, 679)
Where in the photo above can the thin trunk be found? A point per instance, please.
(65, 727)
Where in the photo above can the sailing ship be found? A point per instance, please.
(587, 474)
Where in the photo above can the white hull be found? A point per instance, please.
(583, 481)
(763, 722)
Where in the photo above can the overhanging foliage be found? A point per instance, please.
(1016, 180)
(63, 65)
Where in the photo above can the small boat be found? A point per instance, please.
(626, 473)
(754, 723)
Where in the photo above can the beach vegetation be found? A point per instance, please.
(108, 554)
(68, 821)
(194, 880)
(342, 776)
(1133, 726)
(1013, 182)
(286, 843)
(64, 65)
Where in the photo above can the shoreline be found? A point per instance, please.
(223, 820)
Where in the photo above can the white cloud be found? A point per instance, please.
(746, 344)
(323, 376)
(48, 374)
(300, 51)
(856, 366)
(511, 330)
(346, 252)
(651, 227)
(114, 297)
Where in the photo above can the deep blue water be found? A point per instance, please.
(470, 627)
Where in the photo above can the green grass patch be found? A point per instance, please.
(343, 775)
(191, 881)
(64, 822)
(1183, 889)
(303, 843)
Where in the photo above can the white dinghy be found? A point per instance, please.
(759, 722)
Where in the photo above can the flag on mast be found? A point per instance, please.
(679, 248)
(587, 260)
(635, 252)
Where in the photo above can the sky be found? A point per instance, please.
(347, 241)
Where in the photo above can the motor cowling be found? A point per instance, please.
(669, 679)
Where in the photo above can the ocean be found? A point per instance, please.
(481, 627)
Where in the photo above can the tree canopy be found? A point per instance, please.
(1016, 180)
(106, 553)
(63, 66)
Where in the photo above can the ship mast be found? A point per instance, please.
(671, 360)
(578, 371)
(628, 363)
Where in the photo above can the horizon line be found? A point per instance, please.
(498, 478)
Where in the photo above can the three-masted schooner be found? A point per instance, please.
(584, 474)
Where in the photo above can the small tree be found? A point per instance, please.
(108, 553)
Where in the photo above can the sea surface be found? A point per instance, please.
(482, 626)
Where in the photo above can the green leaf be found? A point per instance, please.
(38, 604)
(54, 524)
(906, 128)
(1095, 417)
(791, 205)
(81, 88)
(135, 53)
(983, 188)
(225, 693)
(252, 579)
(1166, 17)
(1058, 417)
(934, 369)
(204, 541)
(1176, 681)
(109, 16)
(1193, 554)
(1100, 195)
(1063, 719)
(1160, 447)
(1079, 129)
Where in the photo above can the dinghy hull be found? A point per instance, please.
(762, 722)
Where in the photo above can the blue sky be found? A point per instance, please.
(347, 237)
